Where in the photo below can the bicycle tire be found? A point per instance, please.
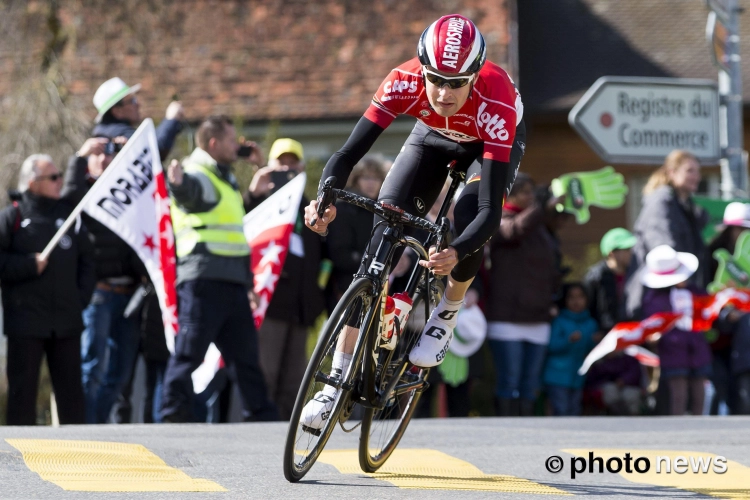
(370, 460)
(359, 289)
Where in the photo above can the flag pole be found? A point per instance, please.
(79, 208)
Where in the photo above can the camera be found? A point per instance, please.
(245, 151)
(112, 148)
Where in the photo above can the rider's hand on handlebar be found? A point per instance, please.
(442, 262)
(321, 224)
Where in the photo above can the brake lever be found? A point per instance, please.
(326, 198)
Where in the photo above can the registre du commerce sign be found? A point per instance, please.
(640, 120)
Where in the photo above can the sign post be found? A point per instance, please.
(722, 34)
(641, 120)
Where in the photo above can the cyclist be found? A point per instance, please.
(467, 109)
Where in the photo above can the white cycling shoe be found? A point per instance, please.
(432, 345)
(316, 412)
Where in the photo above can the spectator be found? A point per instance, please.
(43, 298)
(616, 381)
(684, 355)
(605, 281)
(731, 350)
(109, 343)
(669, 217)
(120, 114)
(213, 276)
(572, 337)
(349, 237)
(524, 277)
(297, 300)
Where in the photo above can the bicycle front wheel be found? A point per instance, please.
(303, 443)
(383, 429)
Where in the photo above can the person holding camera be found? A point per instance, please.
(297, 300)
(107, 334)
(120, 114)
(213, 276)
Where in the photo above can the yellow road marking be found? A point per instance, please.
(104, 466)
(433, 470)
(734, 483)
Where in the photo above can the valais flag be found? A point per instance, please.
(268, 229)
(131, 199)
(628, 334)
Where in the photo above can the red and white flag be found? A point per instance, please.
(628, 334)
(643, 355)
(268, 230)
(131, 199)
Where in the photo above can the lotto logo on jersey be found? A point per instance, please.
(493, 125)
(399, 86)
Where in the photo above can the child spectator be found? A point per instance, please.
(605, 281)
(571, 339)
(685, 356)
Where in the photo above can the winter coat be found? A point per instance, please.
(601, 288)
(665, 221)
(523, 273)
(564, 358)
(37, 305)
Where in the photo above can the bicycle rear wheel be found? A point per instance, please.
(383, 429)
(304, 444)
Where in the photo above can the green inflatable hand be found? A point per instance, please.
(733, 270)
(454, 369)
(602, 188)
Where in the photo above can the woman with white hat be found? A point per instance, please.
(685, 356)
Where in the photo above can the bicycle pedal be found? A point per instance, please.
(310, 430)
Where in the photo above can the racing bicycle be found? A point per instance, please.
(381, 381)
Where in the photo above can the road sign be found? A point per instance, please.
(717, 36)
(640, 120)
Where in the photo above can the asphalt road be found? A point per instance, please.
(440, 459)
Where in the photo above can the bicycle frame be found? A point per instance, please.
(377, 272)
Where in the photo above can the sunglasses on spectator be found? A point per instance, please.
(454, 82)
(52, 177)
(133, 100)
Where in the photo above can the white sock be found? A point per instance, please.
(339, 365)
(444, 308)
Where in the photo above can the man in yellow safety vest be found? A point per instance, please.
(213, 275)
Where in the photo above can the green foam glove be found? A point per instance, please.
(454, 369)
(733, 270)
(602, 188)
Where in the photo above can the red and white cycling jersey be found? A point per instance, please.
(490, 114)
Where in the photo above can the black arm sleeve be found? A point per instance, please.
(496, 181)
(495, 175)
(360, 141)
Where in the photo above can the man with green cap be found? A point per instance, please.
(605, 281)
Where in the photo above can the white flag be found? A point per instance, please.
(131, 199)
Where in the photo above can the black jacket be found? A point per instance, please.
(601, 288)
(38, 305)
(166, 133)
(347, 240)
(114, 258)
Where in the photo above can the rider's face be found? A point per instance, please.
(445, 100)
